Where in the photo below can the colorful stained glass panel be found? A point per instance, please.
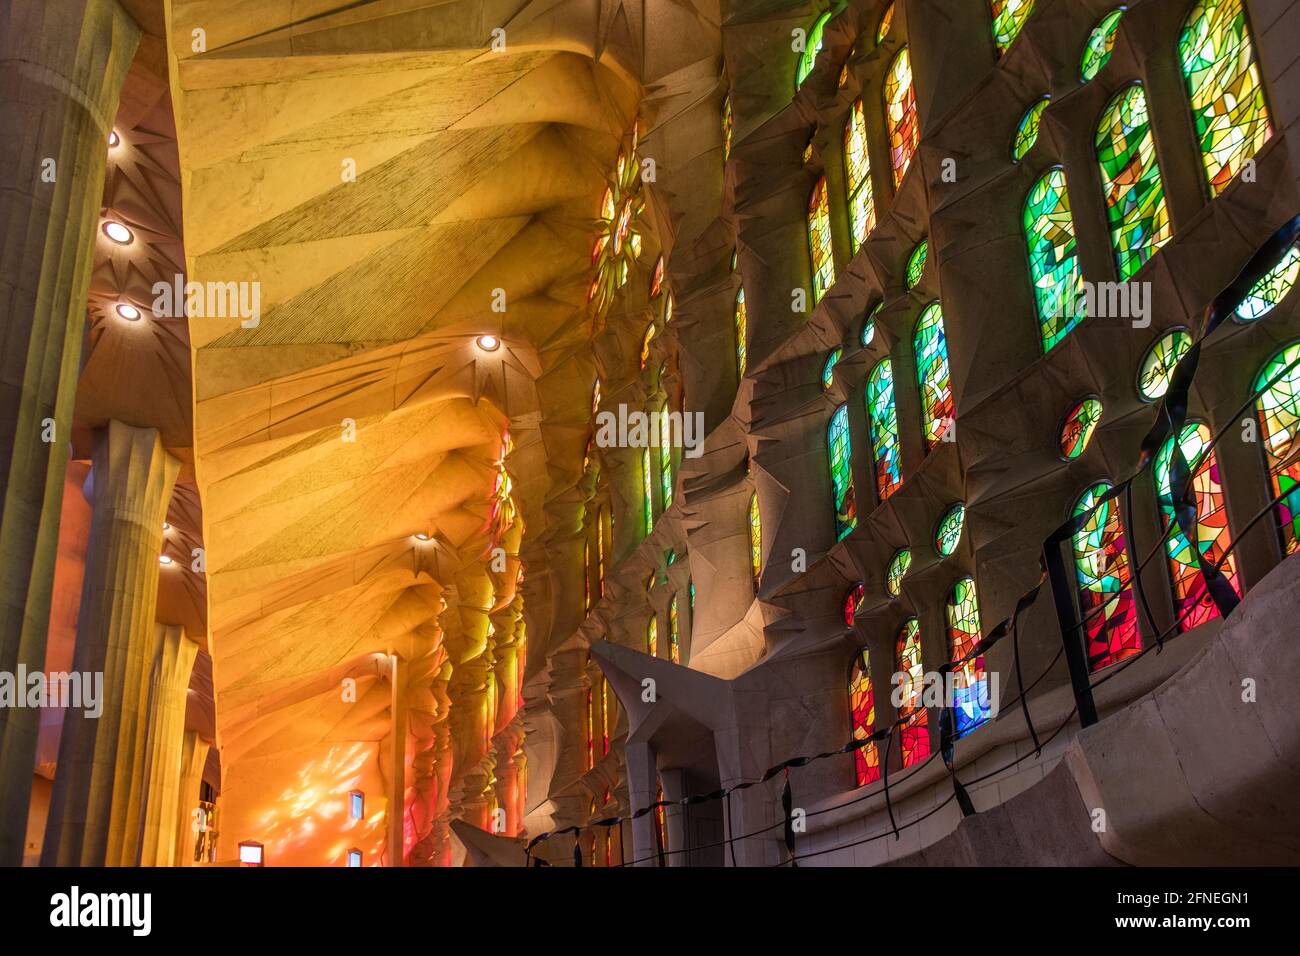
(755, 539)
(948, 533)
(812, 46)
(883, 414)
(1100, 44)
(1160, 361)
(916, 263)
(1101, 564)
(1008, 18)
(857, 173)
(932, 374)
(914, 733)
(1131, 183)
(1053, 258)
(1265, 294)
(900, 114)
(819, 240)
(742, 333)
(1078, 428)
(1278, 407)
(841, 461)
(862, 708)
(898, 565)
(1027, 129)
(970, 685)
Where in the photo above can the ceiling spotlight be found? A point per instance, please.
(113, 138)
(488, 343)
(127, 311)
(421, 536)
(117, 232)
(164, 559)
(166, 526)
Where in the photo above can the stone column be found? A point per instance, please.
(641, 792)
(675, 787)
(194, 757)
(61, 67)
(395, 745)
(173, 659)
(130, 482)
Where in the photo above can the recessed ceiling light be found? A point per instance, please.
(117, 232)
(113, 138)
(488, 343)
(127, 311)
(421, 536)
(166, 526)
(164, 559)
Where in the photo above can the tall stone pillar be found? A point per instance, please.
(169, 679)
(194, 757)
(642, 789)
(61, 67)
(131, 481)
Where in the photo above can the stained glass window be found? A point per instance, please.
(1102, 568)
(914, 733)
(1078, 428)
(591, 731)
(916, 263)
(857, 173)
(828, 370)
(648, 489)
(652, 636)
(1130, 178)
(1053, 258)
(932, 374)
(970, 685)
(728, 127)
(886, 23)
(869, 326)
(586, 576)
(898, 565)
(595, 397)
(674, 643)
(1223, 84)
(618, 243)
(853, 599)
(1027, 130)
(657, 278)
(742, 333)
(1191, 598)
(862, 710)
(755, 539)
(843, 80)
(604, 715)
(1100, 44)
(819, 240)
(883, 414)
(603, 528)
(900, 114)
(812, 46)
(1279, 416)
(666, 458)
(948, 533)
(1265, 294)
(1160, 361)
(1008, 17)
(646, 340)
(841, 456)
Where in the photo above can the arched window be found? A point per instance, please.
(1101, 41)
(603, 529)
(1223, 85)
(1192, 602)
(661, 825)
(1130, 178)
(728, 127)
(657, 278)
(1053, 258)
(812, 46)
(742, 332)
(1027, 129)
(652, 635)
(591, 730)
(1102, 567)
(914, 733)
(595, 397)
(648, 489)
(900, 114)
(1272, 288)
(932, 374)
(916, 263)
(841, 456)
(886, 24)
(948, 533)
(853, 600)
(898, 566)
(884, 429)
(666, 458)
(586, 576)
(970, 685)
(755, 539)
(646, 342)
(828, 370)
(1278, 407)
(674, 643)
(1078, 428)
(1159, 363)
(862, 714)
(1008, 17)
(869, 326)
(857, 173)
(819, 240)
(604, 716)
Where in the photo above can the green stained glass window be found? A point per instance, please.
(1224, 87)
(647, 489)
(886, 23)
(883, 414)
(1008, 17)
(666, 458)
(1100, 44)
(1160, 361)
(828, 370)
(1027, 130)
(948, 533)
(970, 685)
(932, 374)
(819, 240)
(869, 326)
(1102, 570)
(755, 539)
(1078, 428)
(674, 645)
(841, 460)
(742, 332)
(1053, 258)
(1130, 178)
(812, 46)
(916, 263)
(914, 732)
(728, 127)
(1278, 407)
(857, 172)
(898, 565)
(900, 114)
(1265, 294)
(652, 636)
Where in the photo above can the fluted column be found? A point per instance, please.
(173, 660)
(131, 481)
(194, 757)
(61, 67)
